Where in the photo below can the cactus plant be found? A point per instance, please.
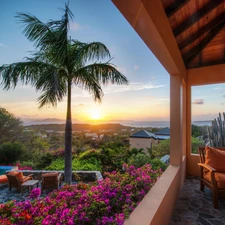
(216, 132)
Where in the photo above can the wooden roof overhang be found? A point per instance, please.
(199, 30)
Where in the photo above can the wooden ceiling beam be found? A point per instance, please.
(203, 30)
(192, 53)
(213, 74)
(175, 6)
(196, 16)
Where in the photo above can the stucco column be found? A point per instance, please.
(176, 119)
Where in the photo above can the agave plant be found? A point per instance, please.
(216, 132)
(58, 64)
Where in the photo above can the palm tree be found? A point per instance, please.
(57, 65)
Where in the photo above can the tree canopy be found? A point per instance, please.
(10, 126)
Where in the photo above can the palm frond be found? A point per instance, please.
(34, 29)
(51, 35)
(62, 30)
(26, 72)
(105, 73)
(53, 83)
(51, 95)
(45, 77)
(85, 52)
(84, 80)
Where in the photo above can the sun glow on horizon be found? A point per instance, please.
(95, 114)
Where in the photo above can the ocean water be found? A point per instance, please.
(132, 123)
(159, 124)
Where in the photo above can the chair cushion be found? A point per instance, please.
(53, 174)
(3, 179)
(12, 172)
(19, 175)
(215, 158)
(220, 178)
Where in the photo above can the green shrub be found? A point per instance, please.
(57, 164)
(90, 154)
(27, 163)
(112, 160)
(10, 152)
(157, 163)
(45, 160)
(87, 164)
(163, 148)
(77, 164)
(140, 160)
(195, 144)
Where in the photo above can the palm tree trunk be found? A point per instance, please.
(68, 140)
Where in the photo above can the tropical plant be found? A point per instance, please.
(140, 160)
(10, 126)
(217, 132)
(197, 131)
(163, 148)
(195, 144)
(59, 63)
(10, 152)
(136, 151)
(77, 164)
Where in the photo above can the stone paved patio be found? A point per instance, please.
(194, 207)
(6, 195)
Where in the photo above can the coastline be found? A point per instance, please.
(137, 124)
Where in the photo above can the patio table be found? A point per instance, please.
(29, 184)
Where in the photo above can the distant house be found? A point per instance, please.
(39, 134)
(143, 139)
(93, 136)
(163, 134)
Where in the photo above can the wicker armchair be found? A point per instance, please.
(16, 179)
(50, 181)
(210, 177)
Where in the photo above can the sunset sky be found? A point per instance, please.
(147, 96)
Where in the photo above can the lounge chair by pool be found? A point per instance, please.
(3, 179)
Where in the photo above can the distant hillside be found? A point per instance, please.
(78, 127)
(32, 121)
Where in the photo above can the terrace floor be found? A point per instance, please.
(194, 207)
(6, 195)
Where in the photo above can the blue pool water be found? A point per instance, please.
(3, 169)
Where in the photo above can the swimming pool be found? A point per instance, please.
(3, 169)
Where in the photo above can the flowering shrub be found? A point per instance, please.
(35, 193)
(105, 202)
(21, 167)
